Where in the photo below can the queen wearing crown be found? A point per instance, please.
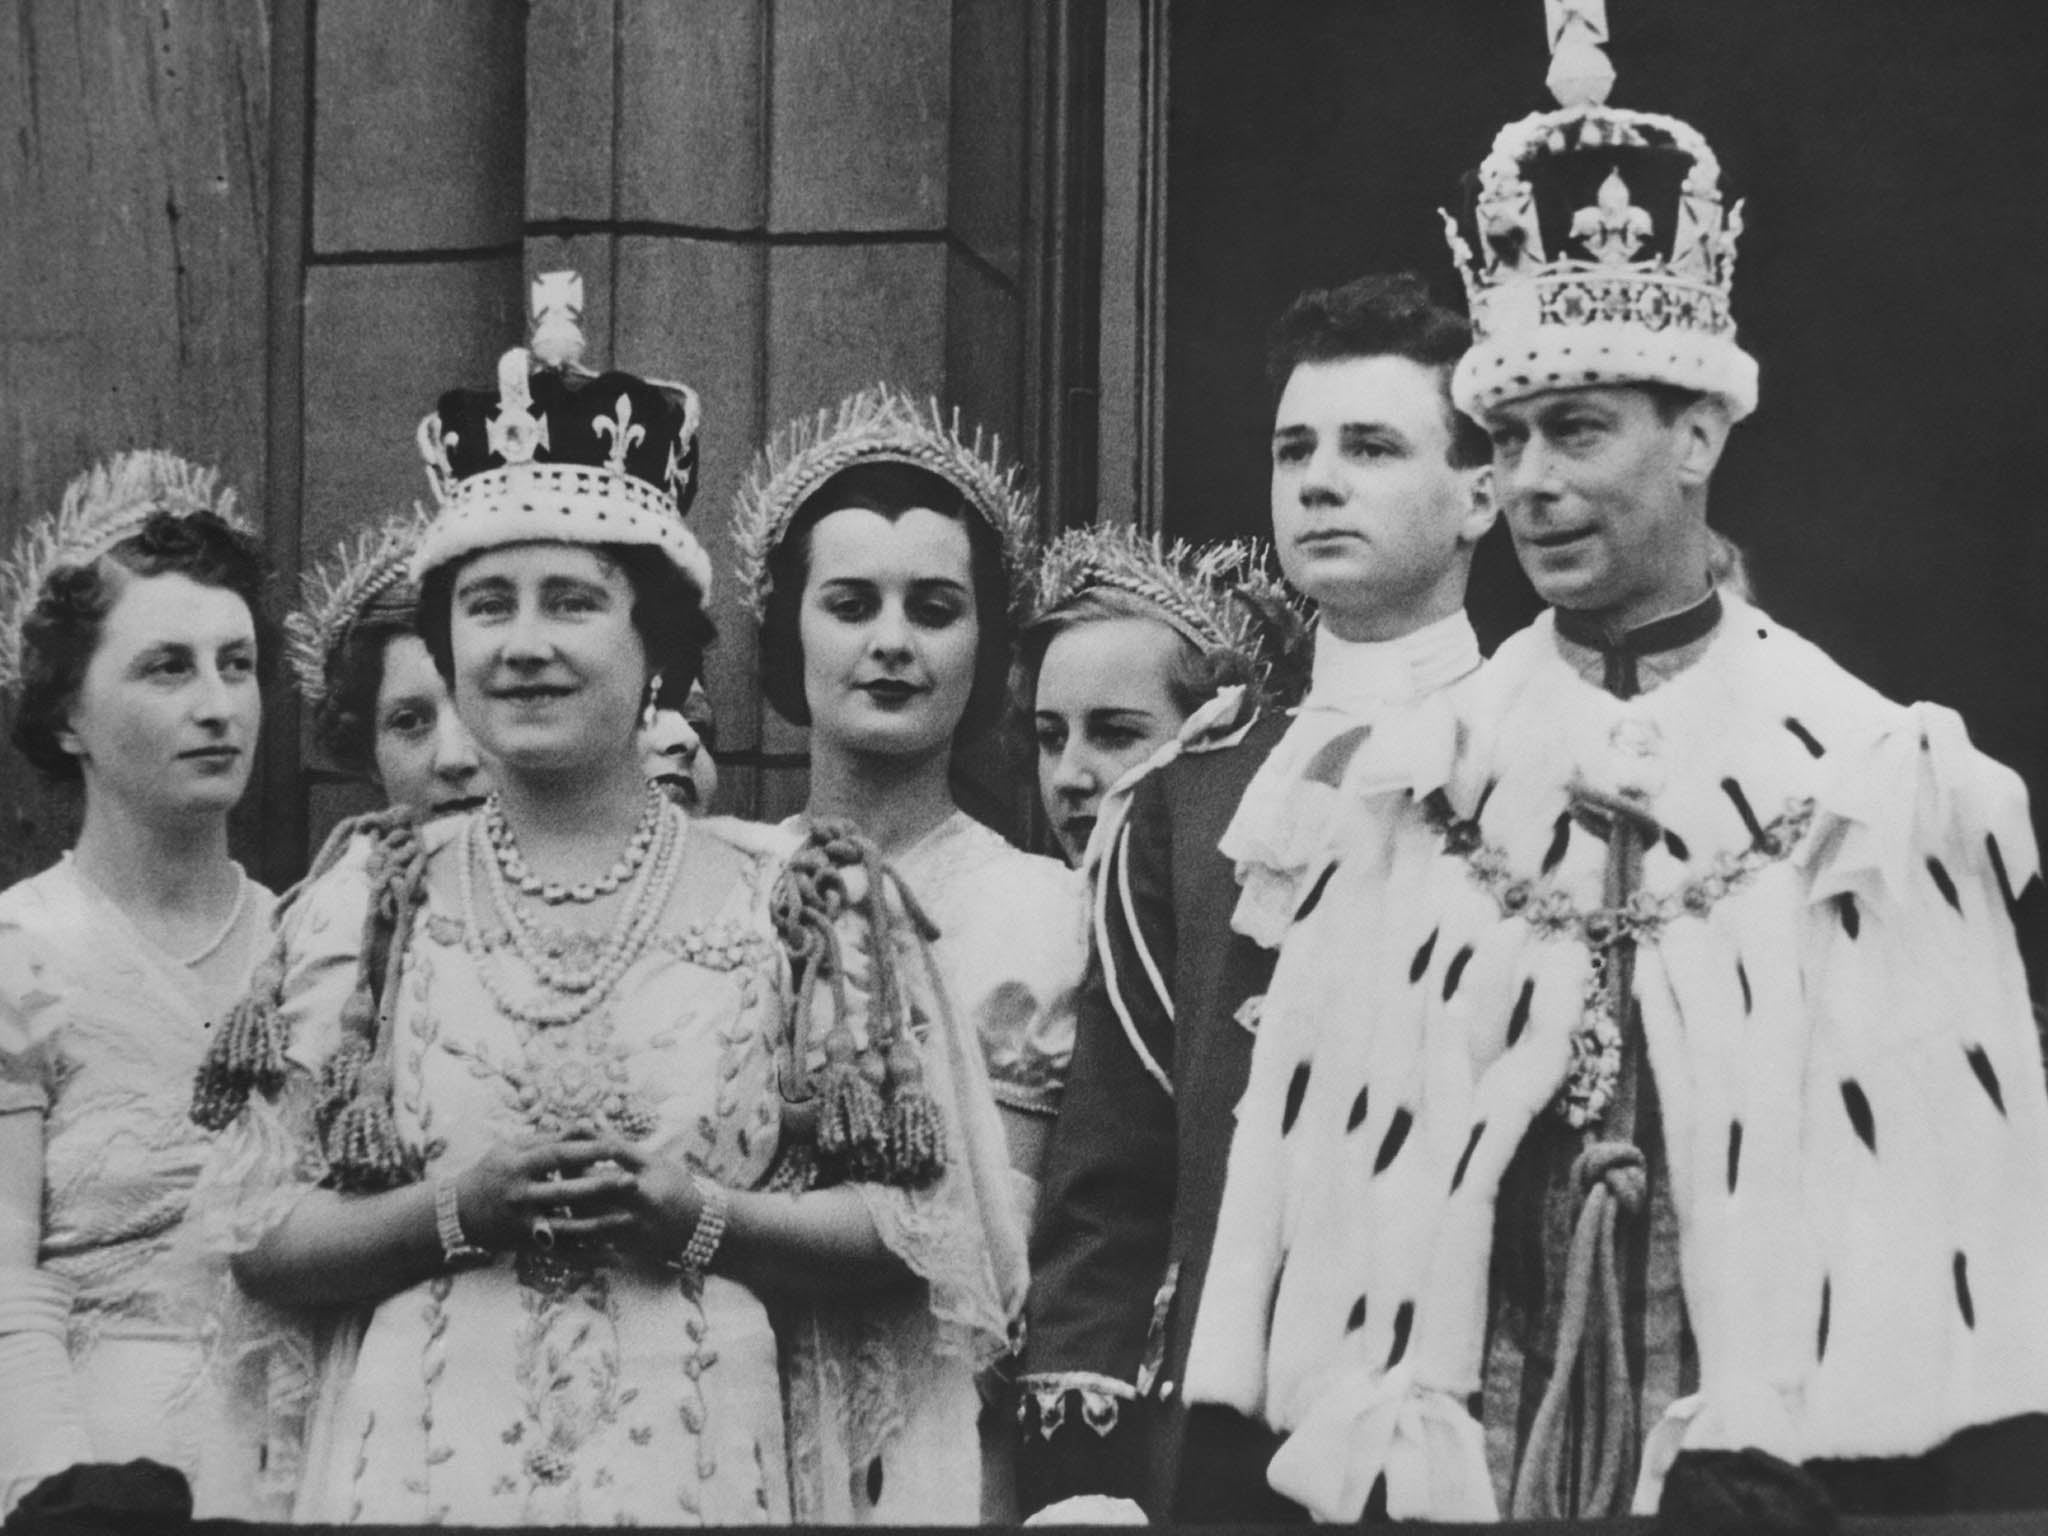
(130, 632)
(503, 1104)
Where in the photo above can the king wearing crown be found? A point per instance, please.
(1662, 1095)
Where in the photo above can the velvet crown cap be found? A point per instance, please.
(559, 453)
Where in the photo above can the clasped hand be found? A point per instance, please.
(587, 1193)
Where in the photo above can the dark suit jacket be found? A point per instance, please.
(1134, 1177)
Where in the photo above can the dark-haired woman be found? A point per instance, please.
(886, 553)
(129, 647)
(379, 707)
(507, 1098)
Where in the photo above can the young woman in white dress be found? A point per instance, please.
(130, 639)
(504, 1102)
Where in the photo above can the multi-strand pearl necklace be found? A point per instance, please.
(581, 991)
(505, 851)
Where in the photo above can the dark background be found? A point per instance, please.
(1890, 282)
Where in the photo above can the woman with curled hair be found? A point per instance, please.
(504, 1102)
(379, 707)
(131, 642)
(1126, 639)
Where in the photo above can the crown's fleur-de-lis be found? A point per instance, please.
(1614, 228)
(622, 431)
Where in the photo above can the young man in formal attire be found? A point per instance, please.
(1379, 496)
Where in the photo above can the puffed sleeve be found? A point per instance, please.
(1028, 958)
(30, 1015)
(1099, 1252)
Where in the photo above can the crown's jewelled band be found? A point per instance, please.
(572, 503)
(1656, 304)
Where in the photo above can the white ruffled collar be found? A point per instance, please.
(1283, 824)
(1357, 677)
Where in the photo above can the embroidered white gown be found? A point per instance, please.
(525, 1392)
(100, 1034)
(520, 1393)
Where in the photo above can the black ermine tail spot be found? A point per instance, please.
(1733, 791)
(1827, 1306)
(1315, 893)
(1390, 1146)
(1980, 1063)
(1485, 795)
(1742, 975)
(1734, 1153)
(1421, 961)
(1329, 763)
(1356, 1320)
(1297, 1089)
(1455, 971)
(1845, 908)
(1858, 1106)
(1560, 839)
(875, 1481)
(1943, 883)
(1376, 1502)
(1358, 1108)
(1806, 737)
(1964, 1304)
(1676, 845)
(1465, 1157)
(1998, 869)
(1404, 1320)
(1519, 1019)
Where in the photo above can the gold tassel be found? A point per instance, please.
(364, 1152)
(247, 1052)
(917, 1143)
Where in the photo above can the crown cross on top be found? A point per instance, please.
(1614, 228)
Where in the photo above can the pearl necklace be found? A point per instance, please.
(505, 852)
(581, 992)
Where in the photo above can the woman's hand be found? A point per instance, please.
(544, 1192)
(662, 1207)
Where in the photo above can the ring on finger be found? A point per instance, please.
(542, 1231)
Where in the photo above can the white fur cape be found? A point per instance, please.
(1841, 1041)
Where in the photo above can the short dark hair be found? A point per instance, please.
(345, 720)
(63, 627)
(1383, 314)
(889, 490)
(668, 615)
